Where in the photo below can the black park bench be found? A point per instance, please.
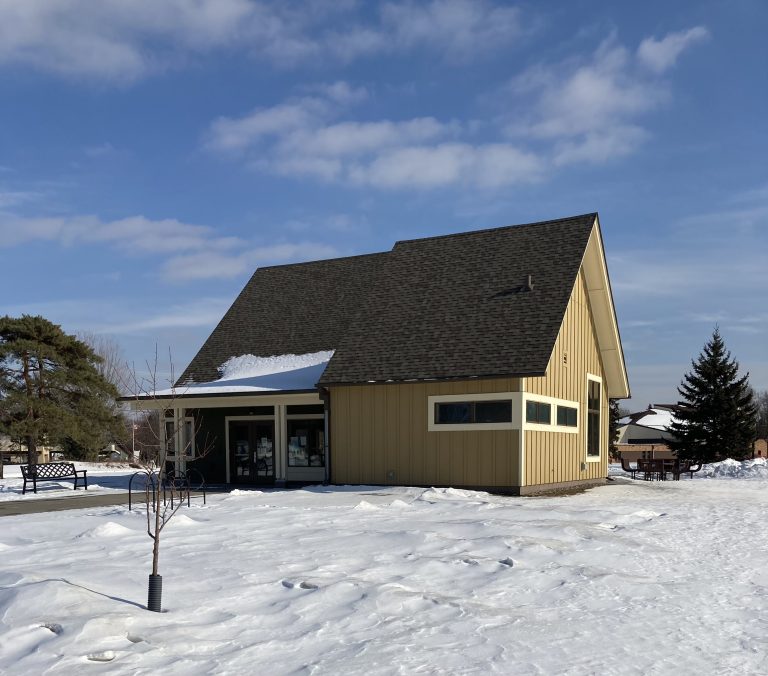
(52, 471)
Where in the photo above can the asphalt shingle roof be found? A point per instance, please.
(287, 309)
(441, 307)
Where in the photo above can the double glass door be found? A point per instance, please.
(252, 451)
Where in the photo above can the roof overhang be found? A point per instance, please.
(224, 400)
(604, 314)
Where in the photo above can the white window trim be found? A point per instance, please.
(514, 397)
(183, 441)
(180, 438)
(554, 402)
(599, 456)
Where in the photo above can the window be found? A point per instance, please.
(186, 430)
(306, 443)
(538, 412)
(593, 418)
(567, 416)
(472, 412)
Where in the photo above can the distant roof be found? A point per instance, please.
(657, 418)
(449, 307)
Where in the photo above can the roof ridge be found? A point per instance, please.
(592, 214)
(322, 260)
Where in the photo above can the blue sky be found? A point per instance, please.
(154, 153)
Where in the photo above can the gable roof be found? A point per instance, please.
(448, 307)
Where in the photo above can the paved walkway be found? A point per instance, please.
(37, 505)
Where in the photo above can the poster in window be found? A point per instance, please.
(242, 449)
(297, 454)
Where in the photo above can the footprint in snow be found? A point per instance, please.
(105, 656)
(134, 639)
(470, 562)
(303, 585)
(52, 627)
(507, 562)
(608, 526)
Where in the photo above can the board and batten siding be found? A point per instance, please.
(555, 457)
(379, 435)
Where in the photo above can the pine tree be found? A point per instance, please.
(716, 417)
(615, 413)
(50, 388)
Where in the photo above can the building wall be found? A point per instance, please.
(645, 451)
(379, 435)
(760, 448)
(557, 457)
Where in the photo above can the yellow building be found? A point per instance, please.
(482, 360)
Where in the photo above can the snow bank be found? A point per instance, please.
(734, 469)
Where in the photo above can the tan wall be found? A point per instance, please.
(553, 457)
(376, 429)
(641, 451)
(760, 448)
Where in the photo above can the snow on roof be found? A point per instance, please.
(655, 418)
(248, 373)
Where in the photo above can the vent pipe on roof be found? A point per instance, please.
(528, 283)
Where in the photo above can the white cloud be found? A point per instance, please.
(588, 109)
(114, 39)
(12, 198)
(190, 252)
(360, 138)
(235, 134)
(661, 55)
(207, 265)
(136, 234)
(457, 27)
(299, 138)
(577, 111)
(445, 164)
(118, 40)
(202, 312)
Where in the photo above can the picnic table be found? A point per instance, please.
(657, 469)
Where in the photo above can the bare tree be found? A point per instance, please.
(113, 366)
(164, 491)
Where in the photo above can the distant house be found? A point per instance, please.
(760, 448)
(16, 452)
(645, 434)
(482, 359)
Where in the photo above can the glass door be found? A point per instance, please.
(252, 451)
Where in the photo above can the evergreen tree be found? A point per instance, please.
(615, 413)
(716, 418)
(50, 388)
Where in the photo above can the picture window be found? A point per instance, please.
(473, 412)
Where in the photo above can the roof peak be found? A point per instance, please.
(464, 233)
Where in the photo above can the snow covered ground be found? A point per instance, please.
(102, 478)
(632, 578)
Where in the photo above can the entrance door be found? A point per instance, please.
(252, 451)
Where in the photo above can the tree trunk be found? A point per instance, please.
(31, 438)
(31, 450)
